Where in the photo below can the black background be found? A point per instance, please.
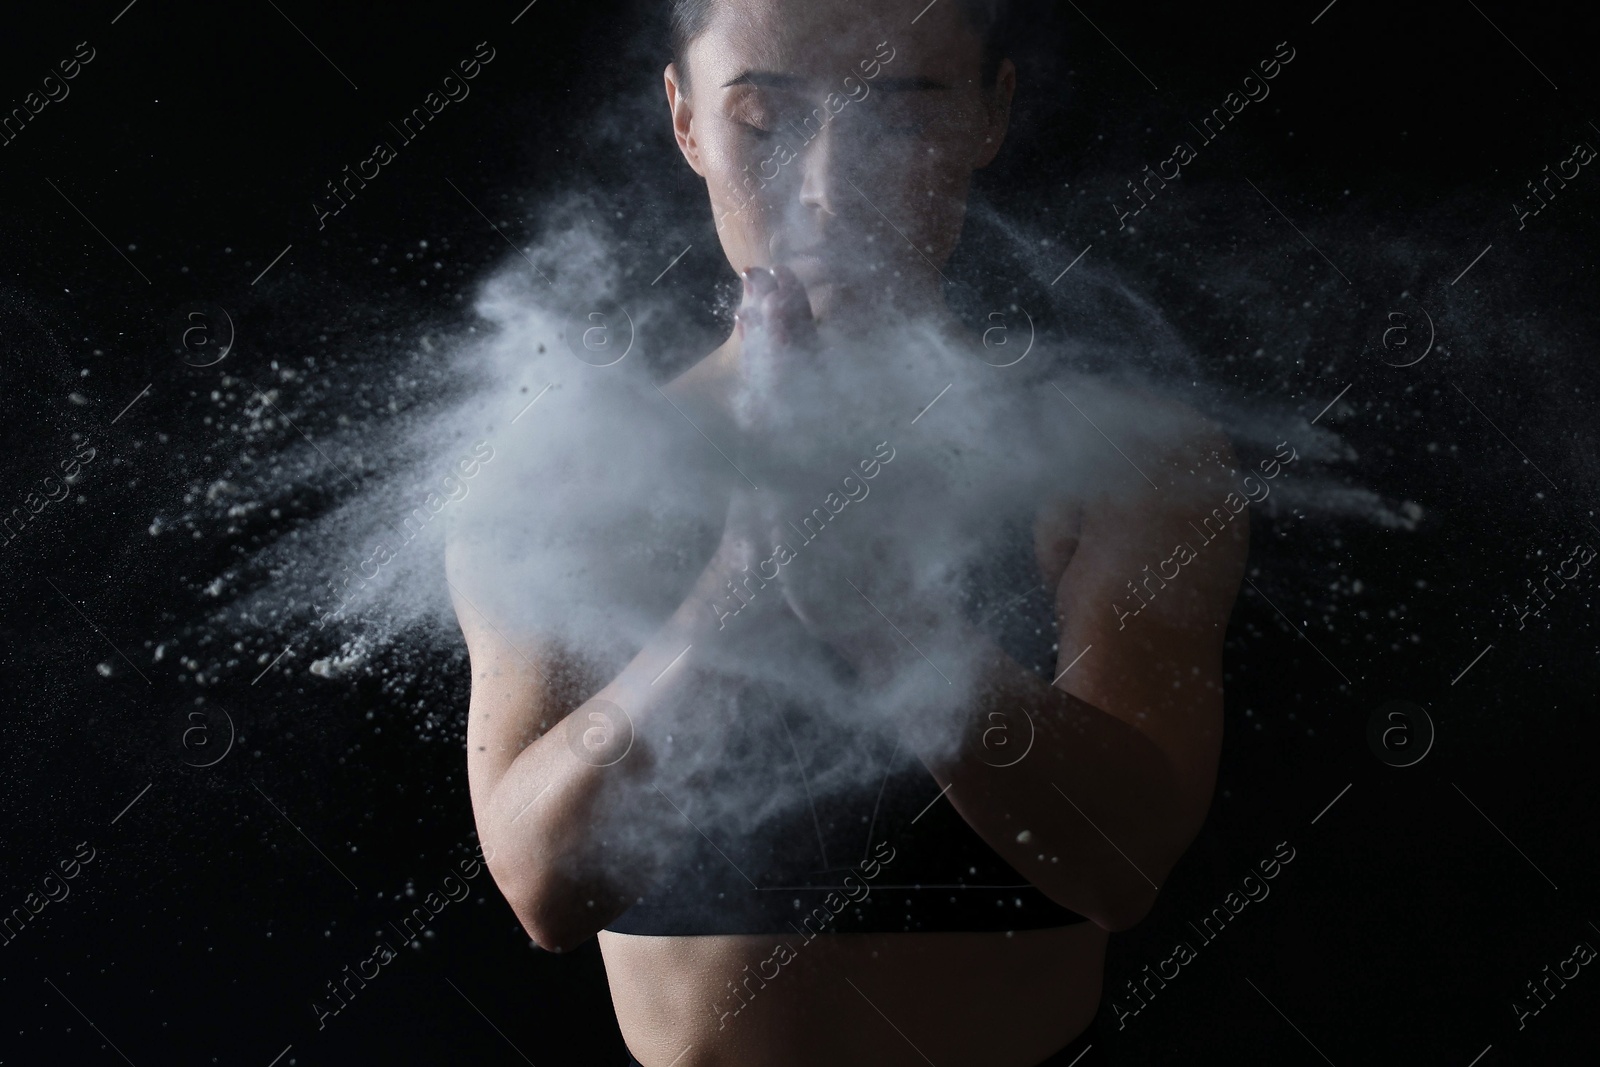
(195, 142)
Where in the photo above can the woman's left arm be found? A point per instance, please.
(1125, 741)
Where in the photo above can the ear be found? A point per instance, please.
(682, 117)
(999, 114)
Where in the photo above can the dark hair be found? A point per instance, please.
(987, 17)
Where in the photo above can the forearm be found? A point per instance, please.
(1090, 814)
(572, 821)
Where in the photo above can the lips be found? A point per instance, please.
(815, 263)
(786, 243)
(809, 263)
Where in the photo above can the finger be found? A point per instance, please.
(787, 308)
(758, 282)
(749, 320)
(775, 307)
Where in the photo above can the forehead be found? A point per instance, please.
(824, 40)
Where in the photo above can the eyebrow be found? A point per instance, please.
(762, 79)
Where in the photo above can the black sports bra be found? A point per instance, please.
(891, 856)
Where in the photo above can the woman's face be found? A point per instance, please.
(838, 138)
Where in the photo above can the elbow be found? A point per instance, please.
(531, 872)
(542, 921)
(1112, 900)
(546, 907)
(1127, 910)
(545, 929)
(530, 902)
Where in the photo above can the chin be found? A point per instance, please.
(823, 295)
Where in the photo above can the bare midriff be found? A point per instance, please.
(842, 1000)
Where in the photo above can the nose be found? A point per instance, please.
(822, 165)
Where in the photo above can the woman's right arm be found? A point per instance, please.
(573, 827)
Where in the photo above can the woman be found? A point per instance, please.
(837, 140)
